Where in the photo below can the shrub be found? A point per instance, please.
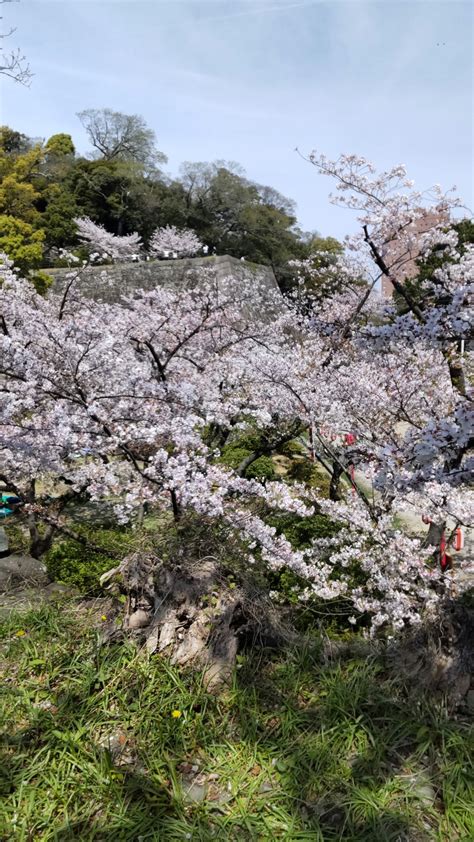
(72, 563)
(18, 540)
(291, 449)
(302, 470)
(301, 531)
(262, 468)
(233, 454)
(41, 281)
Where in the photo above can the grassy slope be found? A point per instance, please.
(296, 750)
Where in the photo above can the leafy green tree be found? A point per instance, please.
(268, 236)
(21, 242)
(18, 199)
(57, 220)
(228, 197)
(13, 142)
(59, 145)
(197, 178)
(328, 245)
(234, 215)
(27, 165)
(166, 204)
(102, 191)
(59, 159)
(19, 195)
(118, 196)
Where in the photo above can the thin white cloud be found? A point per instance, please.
(262, 10)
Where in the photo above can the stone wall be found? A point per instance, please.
(109, 283)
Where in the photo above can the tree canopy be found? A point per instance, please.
(154, 391)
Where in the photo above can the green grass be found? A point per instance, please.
(296, 749)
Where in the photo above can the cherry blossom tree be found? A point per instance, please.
(440, 318)
(103, 245)
(171, 241)
(151, 389)
(191, 363)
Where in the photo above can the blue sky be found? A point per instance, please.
(249, 81)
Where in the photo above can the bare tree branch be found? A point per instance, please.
(14, 64)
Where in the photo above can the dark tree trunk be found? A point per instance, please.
(335, 483)
(433, 538)
(39, 544)
(175, 505)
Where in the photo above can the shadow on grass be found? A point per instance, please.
(359, 758)
(137, 805)
(312, 751)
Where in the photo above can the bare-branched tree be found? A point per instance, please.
(117, 136)
(13, 63)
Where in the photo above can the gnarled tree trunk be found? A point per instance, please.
(189, 612)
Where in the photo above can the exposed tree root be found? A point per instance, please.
(197, 616)
(192, 613)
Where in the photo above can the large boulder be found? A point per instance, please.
(18, 571)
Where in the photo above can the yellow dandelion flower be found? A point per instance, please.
(175, 714)
(20, 633)
(103, 618)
